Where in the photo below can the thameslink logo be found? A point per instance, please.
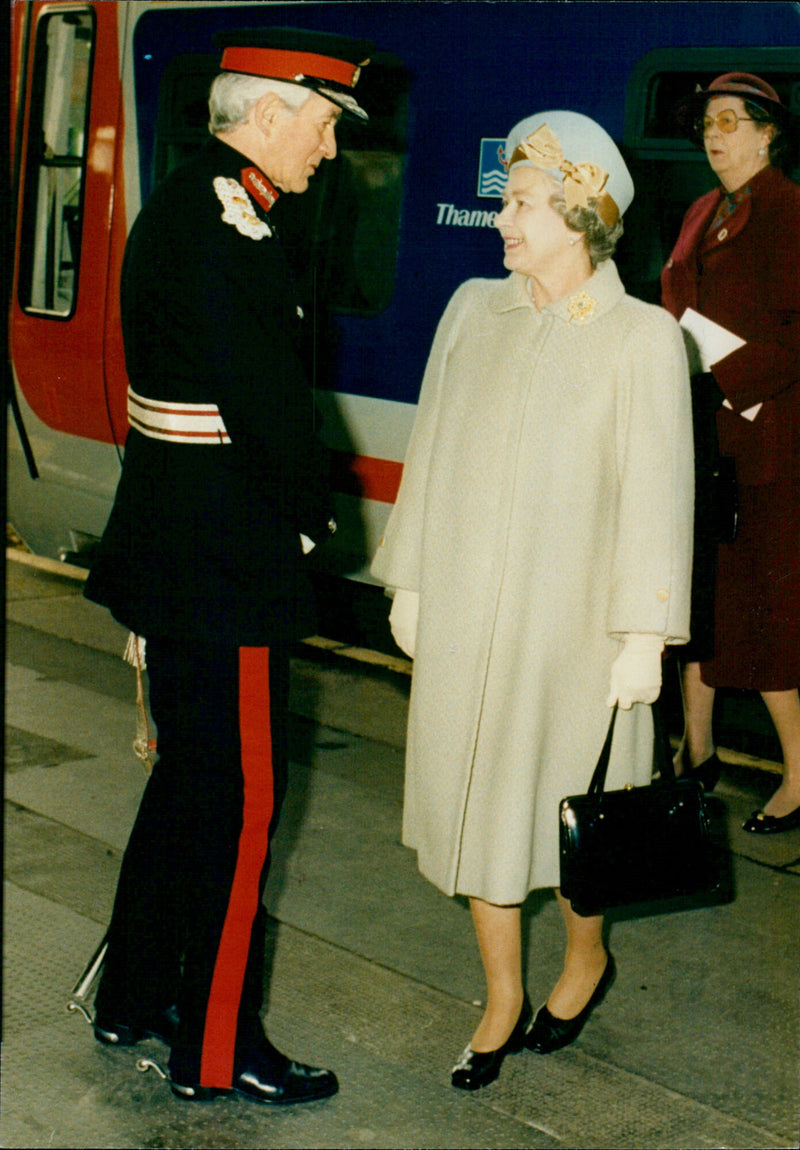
(491, 169)
(454, 217)
(491, 181)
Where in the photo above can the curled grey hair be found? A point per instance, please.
(233, 94)
(601, 240)
(780, 146)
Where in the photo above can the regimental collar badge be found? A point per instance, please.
(259, 187)
(239, 209)
(581, 307)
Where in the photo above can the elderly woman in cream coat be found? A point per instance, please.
(539, 551)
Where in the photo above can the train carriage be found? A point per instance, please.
(107, 97)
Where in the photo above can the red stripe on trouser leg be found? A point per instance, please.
(219, 1035)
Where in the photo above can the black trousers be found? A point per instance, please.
(188, 921)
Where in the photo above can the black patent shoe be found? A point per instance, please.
(478, 1068)
(266, 1075)
(707, 772)
(549, 1033)
(761, 824)
(162, 1027)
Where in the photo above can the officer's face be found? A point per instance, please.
(302, 140)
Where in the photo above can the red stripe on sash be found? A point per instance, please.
(219, 1036)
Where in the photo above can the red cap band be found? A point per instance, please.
(278, 64)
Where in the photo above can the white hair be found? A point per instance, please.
(233, 94)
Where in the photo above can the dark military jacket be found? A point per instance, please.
(204, 535)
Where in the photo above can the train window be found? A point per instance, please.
(669, 172)
(53, 205)
(343, 233)
(666, 88)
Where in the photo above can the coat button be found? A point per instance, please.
(662, 594)
(722, 234)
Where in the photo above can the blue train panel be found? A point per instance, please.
(461, 75)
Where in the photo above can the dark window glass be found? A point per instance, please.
(342, 234)
(53, 207)
(666, 88)
(669, 171)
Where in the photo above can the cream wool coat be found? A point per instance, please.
(545, 512)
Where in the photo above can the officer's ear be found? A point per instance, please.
(267, 111)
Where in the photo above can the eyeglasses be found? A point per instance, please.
(727, 121)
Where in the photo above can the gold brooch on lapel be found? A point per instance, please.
(239, 209)
(580, 307)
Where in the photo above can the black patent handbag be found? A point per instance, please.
(639, 844)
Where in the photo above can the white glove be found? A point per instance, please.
(636, 671)
(403, 620)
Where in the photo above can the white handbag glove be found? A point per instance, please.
(403, 620)
(636, 671)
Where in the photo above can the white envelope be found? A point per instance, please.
(706, 344)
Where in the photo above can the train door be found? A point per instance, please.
(67, 149)
(66, 180)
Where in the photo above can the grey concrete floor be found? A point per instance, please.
(371, 971)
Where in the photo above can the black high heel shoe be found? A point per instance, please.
(707, 773)
(761, 824)
(549, 1033)
(478, 1068)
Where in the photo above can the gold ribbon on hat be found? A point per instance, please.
(582, 182)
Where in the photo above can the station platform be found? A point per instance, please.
(371, 971)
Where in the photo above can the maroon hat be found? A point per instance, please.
(743, 84)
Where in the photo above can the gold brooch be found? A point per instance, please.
(581, 307)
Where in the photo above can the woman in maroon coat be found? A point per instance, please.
(737, 263)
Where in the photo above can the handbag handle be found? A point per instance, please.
(662, 751)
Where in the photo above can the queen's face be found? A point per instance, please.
(536, 240)
(735, 156)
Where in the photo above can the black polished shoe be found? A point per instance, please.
(761, 824)
(268, 1076)
(478, 1068)
(163, 1027)
(549, 1033)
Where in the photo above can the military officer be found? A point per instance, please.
(223, 490)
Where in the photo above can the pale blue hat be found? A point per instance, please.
(574, 149)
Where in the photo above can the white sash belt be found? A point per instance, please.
(176, 422)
